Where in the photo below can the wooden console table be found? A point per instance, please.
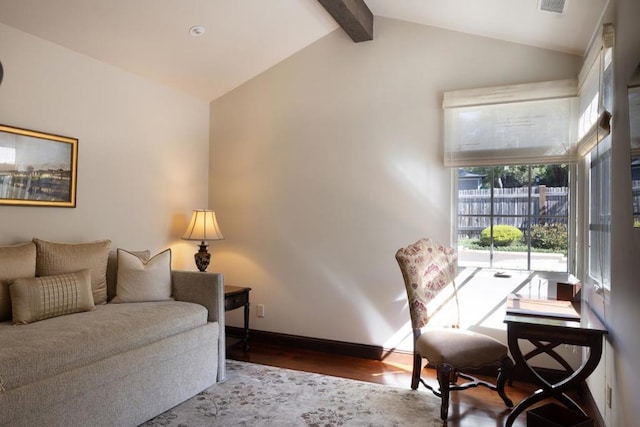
(236, 297)
(547, 333)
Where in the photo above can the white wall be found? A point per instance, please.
(618, 368)
(326, 164)
(143, 148)
(623, 373)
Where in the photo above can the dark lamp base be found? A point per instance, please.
(202, 257)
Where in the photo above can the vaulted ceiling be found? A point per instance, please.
(243, 38)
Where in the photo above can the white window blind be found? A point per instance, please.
(593, 117)
(533, 123)
(588, 98)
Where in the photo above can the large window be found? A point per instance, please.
(515, 148)
(599, 234)
(514, 217)
(596, 100)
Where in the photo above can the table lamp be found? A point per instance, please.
(203, 227)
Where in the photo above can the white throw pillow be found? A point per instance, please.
(140, 281)
(112, 269)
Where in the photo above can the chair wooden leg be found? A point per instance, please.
(417, 369)
(504, 374)
(444, 372)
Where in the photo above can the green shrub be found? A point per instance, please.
(503, 235)
(549, 236)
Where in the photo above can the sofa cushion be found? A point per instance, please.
(42, 349)
(140, 280)
(58, 258)
(112, 269)
(16, 262)
(124, 390)
(40, 298)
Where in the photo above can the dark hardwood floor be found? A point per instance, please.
(477, 407)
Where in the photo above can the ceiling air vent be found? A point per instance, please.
(554, 6)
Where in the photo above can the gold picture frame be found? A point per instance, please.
(37, 168)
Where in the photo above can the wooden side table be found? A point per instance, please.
(236, 297)
(547, 333)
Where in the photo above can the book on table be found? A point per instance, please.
(541, 307)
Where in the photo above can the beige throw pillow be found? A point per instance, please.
(112, 269)
(40, 298)
(140, 281)
(58, 258)
(16, 262)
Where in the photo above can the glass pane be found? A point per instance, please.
(532, 201)
(510, 248)
(470, 254)
(600, 213)
(469, 227)
(509, 260)
(635, 189)
(549, 244)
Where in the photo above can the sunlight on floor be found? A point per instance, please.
(482, 296)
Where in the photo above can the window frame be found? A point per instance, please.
(595, 153)
(572, 238)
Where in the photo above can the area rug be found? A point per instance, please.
(258, 395)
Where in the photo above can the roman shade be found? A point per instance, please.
(593, 117)
(515, 124)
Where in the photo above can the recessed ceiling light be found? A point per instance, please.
(196, 30)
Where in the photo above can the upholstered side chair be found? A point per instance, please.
(427, 268)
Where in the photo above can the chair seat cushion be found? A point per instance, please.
(459, 348)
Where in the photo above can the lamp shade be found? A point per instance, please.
(203, 226)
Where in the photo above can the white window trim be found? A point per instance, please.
(572, 226)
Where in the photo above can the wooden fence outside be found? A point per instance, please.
(511, 207)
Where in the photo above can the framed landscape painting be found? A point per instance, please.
(37, 169)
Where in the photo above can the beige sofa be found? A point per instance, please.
(115, 364)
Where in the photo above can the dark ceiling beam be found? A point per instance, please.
(354, 17)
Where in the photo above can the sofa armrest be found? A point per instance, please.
(206, 289)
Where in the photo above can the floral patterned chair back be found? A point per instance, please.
(427, 268)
